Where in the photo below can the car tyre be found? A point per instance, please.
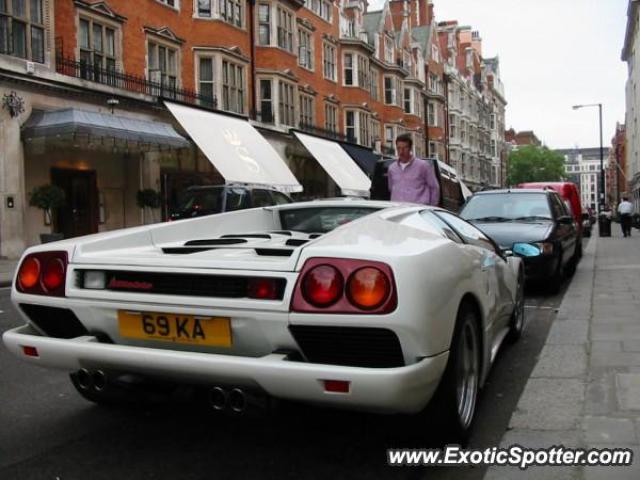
(455, 400)
(555, 282)
(518, 320)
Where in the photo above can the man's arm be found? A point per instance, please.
(432, 182)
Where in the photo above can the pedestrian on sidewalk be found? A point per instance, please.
(412, 179)
(625, 209)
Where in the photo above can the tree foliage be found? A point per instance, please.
(47, 197)
(535, 164)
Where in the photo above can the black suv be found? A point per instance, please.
(538, 217)
(210, 199)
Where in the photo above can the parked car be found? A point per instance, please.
(357, 304)
(210, 199)
(570, 194)
(539, 217)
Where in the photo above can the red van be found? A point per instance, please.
(569, 193)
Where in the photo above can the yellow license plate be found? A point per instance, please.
(172, 327)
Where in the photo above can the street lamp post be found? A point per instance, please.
(602, 182)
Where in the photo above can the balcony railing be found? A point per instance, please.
(132, 83)
(322, 132)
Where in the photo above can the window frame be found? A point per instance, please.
(28, 27)
(331, 117)
(331, 62)
(307, 109)
(306, 58)
(285, 109)
(233, 94)
(285, 32)
(159, 42)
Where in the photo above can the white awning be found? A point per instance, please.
(235, 148)
(338, 164)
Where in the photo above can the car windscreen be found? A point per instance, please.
(207, 200)
(507, 207)
(321, 219)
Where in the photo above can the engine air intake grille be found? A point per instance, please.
(55, 322)
(349, 346)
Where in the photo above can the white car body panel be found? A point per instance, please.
(432, 275)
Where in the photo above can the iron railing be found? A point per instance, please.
(322, 132)
(131, 83)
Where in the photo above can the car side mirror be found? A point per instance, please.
(525, 250)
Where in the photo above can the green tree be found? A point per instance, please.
(535, 164)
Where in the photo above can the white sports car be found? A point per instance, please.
(365, 305)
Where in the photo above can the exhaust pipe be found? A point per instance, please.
(218, 398)
(99, 380)
(85, 379)
(237, 400)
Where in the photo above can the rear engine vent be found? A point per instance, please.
(55, 322)
(216, 241)
(222, 286)
(296, 242)
(315, 235)
(274, 252)
(248, 235)
(349, 346)
(282, 232)
(185, 250)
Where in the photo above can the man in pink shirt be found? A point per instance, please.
(412, 179)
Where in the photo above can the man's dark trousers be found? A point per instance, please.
(625, 222)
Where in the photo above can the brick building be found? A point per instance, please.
(82, 83)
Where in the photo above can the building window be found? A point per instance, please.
(232, 11)
(329, 59)
(97, 50)
(306, 110)
(363, 129)
(375, 132)
(357, 127)
(348, 69)
(232, 87)
(305, 49)
(286, 106)
(322, 8)
(171, 3)
(388, 50)
(22, 29)
(407, 100)
(350, 125)
(363, 72)
(163, 65)
(375, 76)
(264, 24)
(203, 8)
(433, 150)
(432, 119)
(330, 118)
(266, 101)
(285, 29)
(389, 137)
(206, 81)
(390, 90)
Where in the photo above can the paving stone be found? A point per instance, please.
(549, 404)
(562, 361)
(628, 390)
(609, 430)
(615, 359)
(630, 472)
(568, 332)
(600, 395)
(631, 346)
(600, 346)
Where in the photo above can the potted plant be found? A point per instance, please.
(149, 198)
(47, 198)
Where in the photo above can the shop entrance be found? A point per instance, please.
(79, 216)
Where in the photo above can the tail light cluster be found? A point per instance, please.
(43, 273)
(339, 285)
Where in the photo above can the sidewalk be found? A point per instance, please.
(7, 269)
(585, 389)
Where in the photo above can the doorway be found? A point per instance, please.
(79, 216)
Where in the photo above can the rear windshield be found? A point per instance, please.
(321, 219)
(209, 200)
(507, 207)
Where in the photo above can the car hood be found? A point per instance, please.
(506, 234)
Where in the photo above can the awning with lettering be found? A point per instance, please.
(338, 164)
(235, 148)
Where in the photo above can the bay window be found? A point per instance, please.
(22, 29)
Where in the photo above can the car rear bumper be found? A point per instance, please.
(404, 389)
(540, 268)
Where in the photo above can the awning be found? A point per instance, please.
(364, 157)
(73, 121)
(235, 148)
(340, 167)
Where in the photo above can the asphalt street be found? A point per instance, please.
(50, 432)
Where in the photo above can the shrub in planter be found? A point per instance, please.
(48, 198)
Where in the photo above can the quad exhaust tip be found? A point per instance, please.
(234, 399)
(237, 400)
(91, 379)
(218, 398)
(85, 380)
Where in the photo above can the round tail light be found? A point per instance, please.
(29, 273)
(322, 286)
(53, 274)
(368, 288)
